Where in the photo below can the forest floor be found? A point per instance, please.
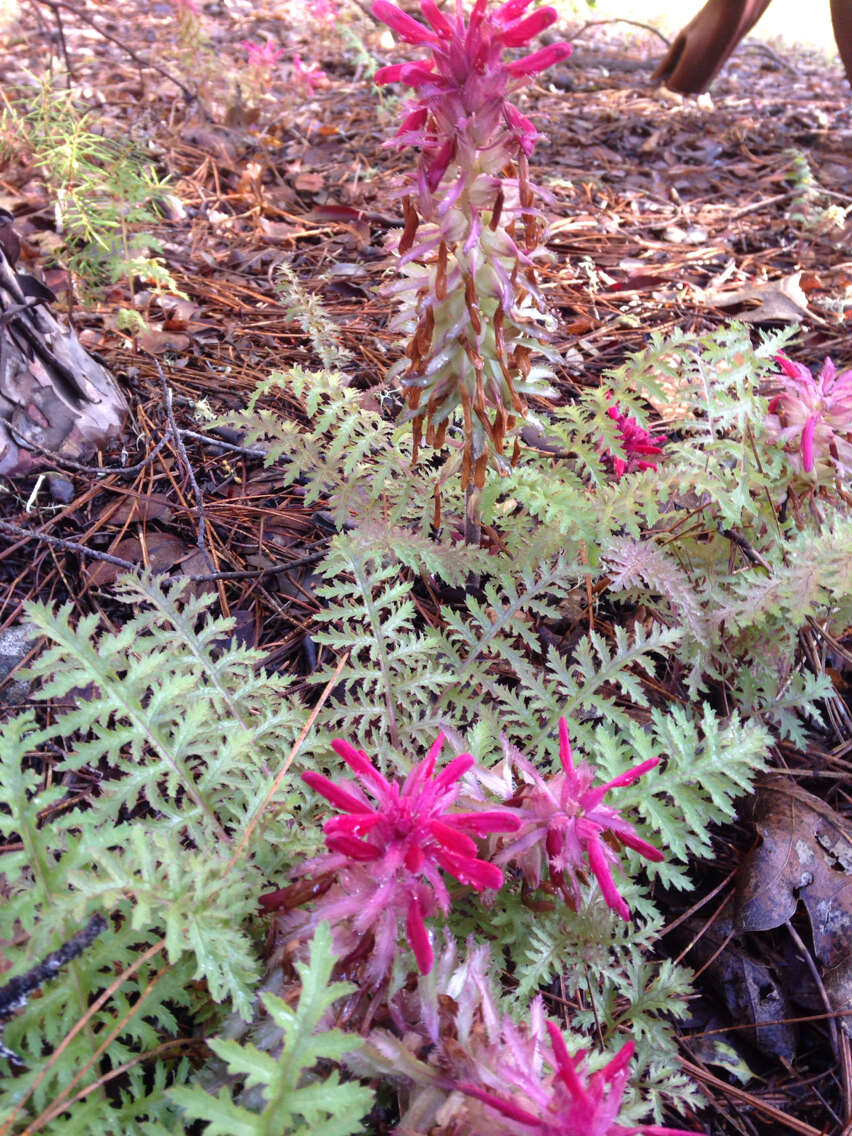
(667, 212)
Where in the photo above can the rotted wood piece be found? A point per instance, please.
(53, 393)
(702, 47)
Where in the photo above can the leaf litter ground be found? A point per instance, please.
(667, 213)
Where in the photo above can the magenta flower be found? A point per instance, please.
(386, 858)
(187, 6)
(323, 12)
(563, 821)
(463, 87)
(569, 1102)
(309, 75)
(812, 419)
(262, 56)
(638, 445)
(470, 300)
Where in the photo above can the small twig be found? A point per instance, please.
(765, 49)
(67, 545)
(14, 994)
(93, 470)
(279, 777)
(246, 451)
(202, 520)
(823, 993)
(69, 74)
(618, 20)
(255, 573)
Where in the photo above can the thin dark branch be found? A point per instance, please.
(67, 545)
(246, 451)
(621, 20)
(199, 499)
(254, 573)
(94, 470)
(14, 994)
(63, 46)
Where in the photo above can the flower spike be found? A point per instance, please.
(473, 307)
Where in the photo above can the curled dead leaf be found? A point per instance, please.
(805, 853)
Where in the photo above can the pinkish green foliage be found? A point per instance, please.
(474, 1070)
(567, 1100)
(470, 299)
(812, 419)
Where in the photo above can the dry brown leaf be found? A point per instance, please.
(805, 854)
(778, 300)
(163, 552)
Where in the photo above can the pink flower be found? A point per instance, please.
(464, 84)
(324, 12)
(386, 857)
(638, 445)
(188, 6)
(473, 1070)
(262, 56)
(563, 820)
(812, 418)
(568, 1101)
(310, 76)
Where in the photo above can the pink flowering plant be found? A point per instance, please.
(400, 853)
(387, 856)
(640, 448)
(471, 1068)
(566, 827)
(811, 419)
(308, 76)
(470, 299)
(261, 61)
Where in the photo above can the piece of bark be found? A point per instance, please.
(53, 393)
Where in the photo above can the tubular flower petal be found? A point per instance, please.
(563, 821)
(385, 857)
(404, 25)
(812, 420)
(539, 60)
(517, 34)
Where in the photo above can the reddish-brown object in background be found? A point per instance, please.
(702, 47)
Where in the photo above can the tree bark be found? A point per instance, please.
(53, 393)
(701, 48)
